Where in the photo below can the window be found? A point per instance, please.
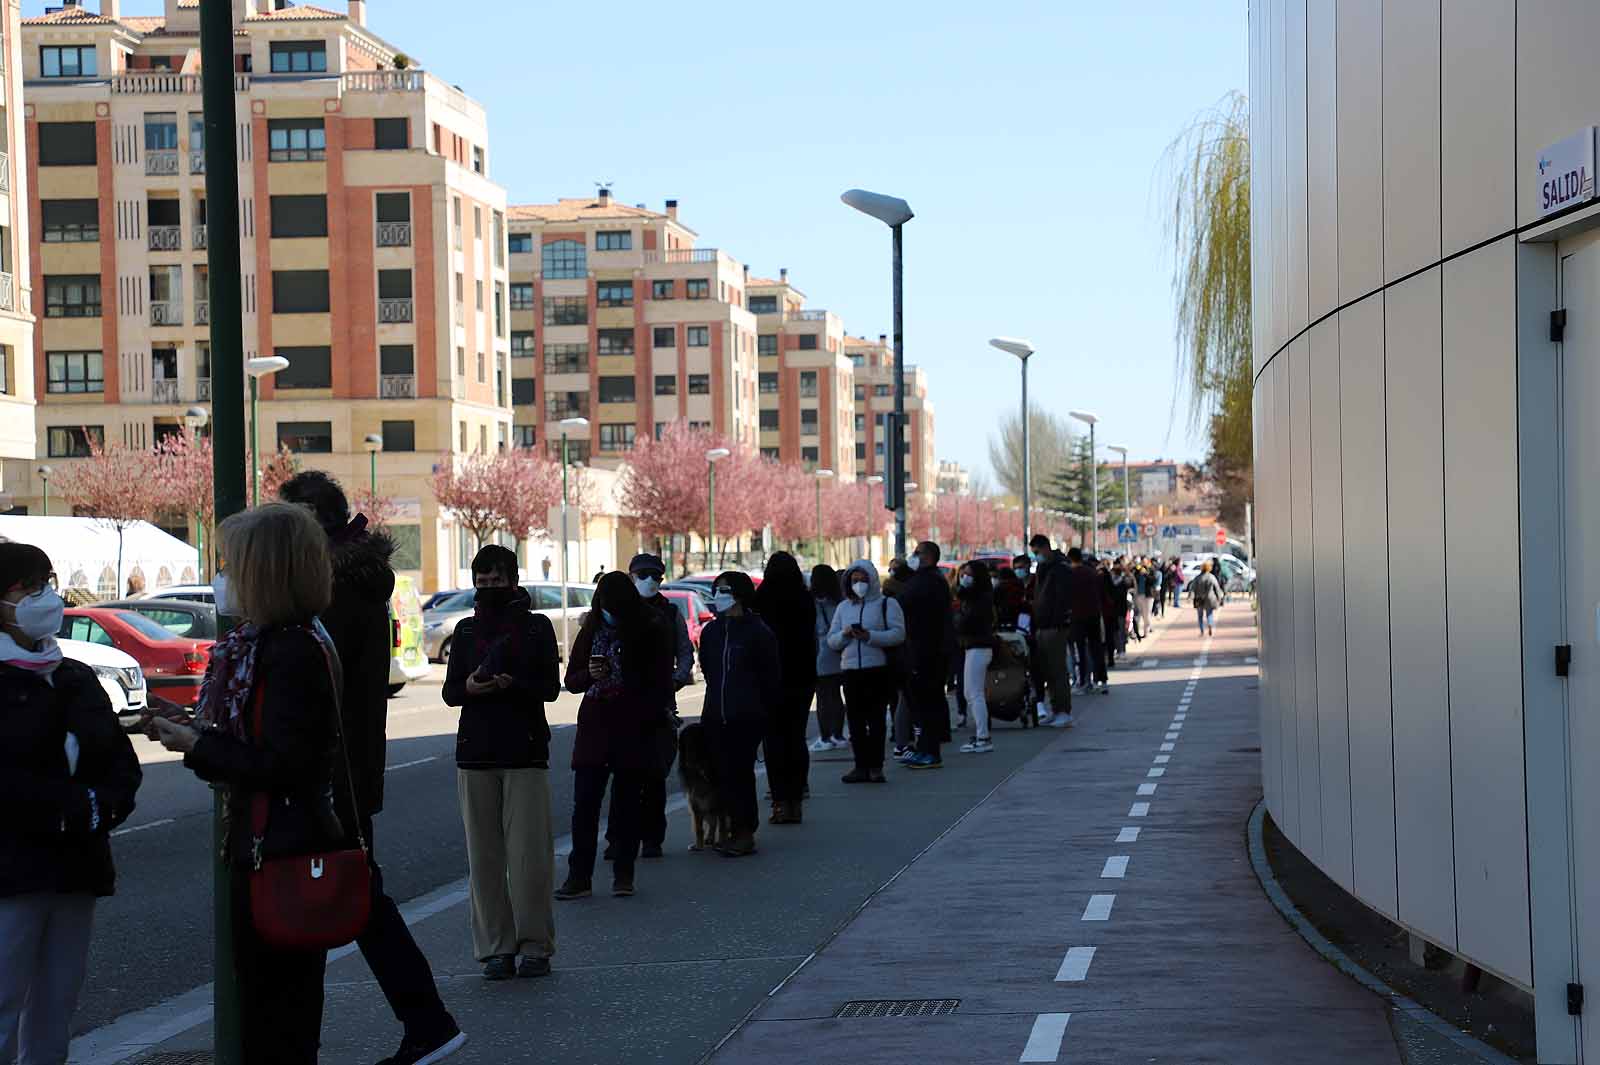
(74, 441)
(880, 390)
(522, 344)
(299, 291)
(524, 436)
(400, 436)
(566, 358)
(661, 290)
(391, 134)
(615, 341)
(309, 367)
(616, 390)
(666, 384)
(394, 284)
(566, 405)
(72, 296)
(477, 160)
(197, 131)
(699, 384)
(614, 293)
(617, 240)
(769, 421)
(461, 364)
(483, 374)
(664, 336)
(522, 392)
(808, 342)
(861, 452)
(390, 206)
(477, 295)
(809, 454)
(296, 140)
(861, 423)
(697, 336)
(770, 453)
(766, 344)
(520, 243)
(70, 221)
(763, 305)
(161, 132)
(477, 222)
(661, 429)
(6, 386)
(463, 447)
(861, 393)
(310, 437)
(66, 144)
(767, 383)
(74, 372)
(522, 296)
(67, 61)
(299, 216)
(565, 310)
(808, 383)
(396, 360)
(565, 258)
(697, 289)
(616, 436)
(299, 57)
(808, 422)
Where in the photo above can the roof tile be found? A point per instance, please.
(577, 210)
(295, 12)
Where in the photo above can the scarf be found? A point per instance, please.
(43, 660)
(230, 678)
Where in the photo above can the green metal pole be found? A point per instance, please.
(711, 509)
(200, 543)
(819, 521)
(374, 474)
(255, 446)
(566, 575)
(46, 481)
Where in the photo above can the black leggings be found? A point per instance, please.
(868, 694)
(734, 748)
(830, 707)
(788, 760)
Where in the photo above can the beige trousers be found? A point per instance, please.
(510, 860)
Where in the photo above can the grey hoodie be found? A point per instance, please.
(880, 616)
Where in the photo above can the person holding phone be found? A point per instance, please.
(867, 628)
(740, 657)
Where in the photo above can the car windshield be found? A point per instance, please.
(456, 601)
(177, 622)
(146, 627)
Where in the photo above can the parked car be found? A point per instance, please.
(183, 618)
(408, 662)
(695, 610)
(439, 623)
(438, 597)
(997, 561)
(194, 593)
(173, 666)
(702, 583)
(118, 674)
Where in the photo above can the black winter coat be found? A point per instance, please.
(793, 622)
(358, 621)
(621, 729)
(743, 667)
(975, 617)
(46, 844)
(1052, 595)
(504, 729)
(930, 630)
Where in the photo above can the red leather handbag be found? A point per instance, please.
(313, 901)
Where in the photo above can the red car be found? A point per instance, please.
(173, 665)
(694, 610)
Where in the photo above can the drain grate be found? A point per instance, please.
(177, 1057)
(898, 1007)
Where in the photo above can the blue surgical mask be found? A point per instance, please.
(966, 580)
(722, 602)
(1033, 556)
(914, 563)
(610, 618)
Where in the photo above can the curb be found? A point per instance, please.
(1400, 1004)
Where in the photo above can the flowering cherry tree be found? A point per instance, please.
(467, 487)
(113, 486)
(379, 510)
(524, 486)
(664, 482)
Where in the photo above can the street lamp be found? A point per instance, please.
(822, 475)
(1022, 349)
(257, 368)
(374, 444)
(713, 456)
(872, 482)
(567, 428)
(195, 418)
(1094, 476)
(1126, 502)
(894, 213)
(44, 476)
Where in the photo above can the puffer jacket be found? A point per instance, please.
(743, 669)
(880, 615)
(827, 657)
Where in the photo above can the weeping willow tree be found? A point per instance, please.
(1206, 171)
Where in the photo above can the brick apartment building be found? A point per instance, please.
(873, 362)
(807, 405)
(16, 290)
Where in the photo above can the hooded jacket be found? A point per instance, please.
(741, 660)
(504, 729)
(975, 618)
(358, 621)
(880, 615)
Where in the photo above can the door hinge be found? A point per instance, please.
(1558, 325)
(1574, 999)
(1563, 659)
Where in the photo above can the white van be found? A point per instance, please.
(118, 673)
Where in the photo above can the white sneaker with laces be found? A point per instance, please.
(819, 745)
(977, 746)
(1060, 721)
(839, 745)
(1105, 688)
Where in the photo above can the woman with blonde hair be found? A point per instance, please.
(267, 726)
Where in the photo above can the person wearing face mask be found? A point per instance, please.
(930, 644)
(503, 669)
(827, 591)
(789, 611)
(1052, 618)
(67, 778)
(866, 627)
(621, 663)
(647, 571)
(975, 626)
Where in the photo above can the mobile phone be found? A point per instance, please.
(597, 662)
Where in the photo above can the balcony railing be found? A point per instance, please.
(197, 161)
(164, 390)
(202, 312)
(5, 173)
(385, 81)
(166, 238)
(682, 255)
(8, 293)
(397, 386)
(394, 311)
(807, 316)
(200, 232)
(394, 234)
(558, 409)
(161, 161)
(202, 390)
(166, 312)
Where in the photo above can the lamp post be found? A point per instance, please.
(1090, 419)
(44, 477)
(1127, 510)
(567, 428)
(894, 213)
(195, 418)
(822, 475)
(374, 444)
(866, 550)
(713, 456)
(257, 368)
(1022, 350)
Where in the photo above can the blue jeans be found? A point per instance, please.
(1206, 615)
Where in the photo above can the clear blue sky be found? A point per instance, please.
(1025, 135)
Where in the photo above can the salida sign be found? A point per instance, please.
(1566, 172)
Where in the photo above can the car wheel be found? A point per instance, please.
(395, 689)
(444, 651)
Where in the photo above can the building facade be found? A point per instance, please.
(873, 361)
(953, 478)
(806, 380)
(373, 247)
(17, 396)
(1426, 252)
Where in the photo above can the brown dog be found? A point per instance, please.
(697, 769)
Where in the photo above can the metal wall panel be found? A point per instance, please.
(1477, 104)
(1558, 82)
(1309, 767)
(1322, 162)
(1410, 136)
(1359, 61)
(1297, 292)
(1287, 687)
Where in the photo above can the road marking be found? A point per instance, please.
(1075, 966)
(1044, 1042)
(1169, 746)
(1183, 716)
(1251, 660)
(1099, 908)
(1151, 664)
(1156, 774)
(1147, 789)
(1116, 867)
(1139, 809)
(1170, 736)
(147, 824)
(1163, 759)
(408, 765)
(1128, 835)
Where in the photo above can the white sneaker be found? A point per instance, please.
(977, 747)
(1105, 688)
(839, 745)
(1060, 721)
(819, 745)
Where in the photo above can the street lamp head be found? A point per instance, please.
(573, 426)
(1118, 449)
(1083, 416)
(263, 365)
(1020, 348)
(373, 442)
(717, 454)
(823, 475)
(874, 479)
(890, 210)
(911, 486)
(195, 417)
(45, 472)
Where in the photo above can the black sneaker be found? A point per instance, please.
(650, 850)
(856, 776)
(574, 889)
(532, 967)
(611, 853)
(427, 1051)
(500, 967)
(622, 889)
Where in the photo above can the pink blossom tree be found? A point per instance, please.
(524, 486)
(664, 483)
(379, 510)
(467, 487)
(183, 475)
(115, 487)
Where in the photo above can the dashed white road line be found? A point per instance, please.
(1139, 809)
(1147, 789)
(1170, 737)
(1156, 774)
(1128, 835)
(408, 765)
(1099, 908)
(147, 824)
(1075, 966)
(1044, 1043)
(1116, 867)
(1163, 759)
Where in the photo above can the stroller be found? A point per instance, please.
(1007, 687)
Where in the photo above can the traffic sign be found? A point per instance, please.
(1127, 532)
(1222, 536)
(1149, 530)
(1169, 532)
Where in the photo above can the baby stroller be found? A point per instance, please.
(1007, 688)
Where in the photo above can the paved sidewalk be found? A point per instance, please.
(1099, 907)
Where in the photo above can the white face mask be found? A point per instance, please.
(966, 580)
(223, 595)
(647, 585)
(914, 563)
(860, 588)
(38, 615)
(722, 602)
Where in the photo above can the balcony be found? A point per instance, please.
(200, 232)
(560, 408)
(394, 234)
(166, 312)
(5, 173)
(202, 312)
(165, 238)
(197, 161)
(161, 162)
(397, 386)
(202, 390)
(385, 81)
(807, 316)
(682, 255)
(8, 293)
(164, 390)
(394, 311)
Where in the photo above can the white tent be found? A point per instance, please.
(84, 554)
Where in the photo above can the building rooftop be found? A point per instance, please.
(77, 15)
(300, 12)
(69, 16)
(578, 210)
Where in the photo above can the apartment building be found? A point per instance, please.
(806, 381)
(953, 478)
(16, 290)
(373, 247)
(617, 317)
(873, 364)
